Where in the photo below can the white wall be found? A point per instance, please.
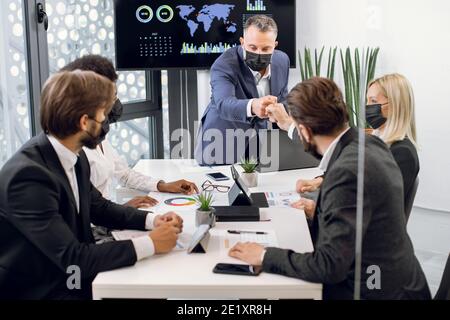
(414, 37)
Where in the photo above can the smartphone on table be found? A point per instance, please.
(217, 176)
(237, 269)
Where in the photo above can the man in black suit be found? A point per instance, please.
(317, 107)
(47, 202)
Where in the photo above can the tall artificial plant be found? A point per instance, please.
(358, 69)
(312, 67)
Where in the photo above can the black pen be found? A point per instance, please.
(240, 232)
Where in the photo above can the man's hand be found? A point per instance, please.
(141, 202)
(259, 106)
(308, 185)
(164, 238)
(277, 114)
(170, 218)
(307, 205)
(248, 252)
(180, 186)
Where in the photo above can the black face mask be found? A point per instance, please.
(93, 141)
(116, 112)
(310, 148)
(374, 117)
(257, 62)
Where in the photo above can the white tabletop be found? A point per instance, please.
(178, 275)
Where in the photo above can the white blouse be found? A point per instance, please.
(109, 168)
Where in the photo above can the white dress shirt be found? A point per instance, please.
(68, 160)
(108, 166)
(143, 246)
(291, 131)
(327, 155)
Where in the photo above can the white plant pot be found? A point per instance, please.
(250, 179)
(205, 217)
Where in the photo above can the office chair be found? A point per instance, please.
(410, 199)
(443, 292)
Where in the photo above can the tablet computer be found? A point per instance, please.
(257, 199)
(199, 239)
(237, 179)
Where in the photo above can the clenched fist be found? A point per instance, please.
(259, 106)
(164, 238)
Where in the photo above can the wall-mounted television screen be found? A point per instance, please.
(191, 34)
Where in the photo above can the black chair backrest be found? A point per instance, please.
(444, 288)
(410, 199)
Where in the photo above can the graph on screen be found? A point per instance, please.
(257, 5)
(191, 33)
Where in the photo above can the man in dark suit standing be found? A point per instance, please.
(47, 202)
(317, 107)
(245, 80)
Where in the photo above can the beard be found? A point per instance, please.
(91, 141)
(310, 148)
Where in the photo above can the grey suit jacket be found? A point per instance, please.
(385, 241)
(233, 85)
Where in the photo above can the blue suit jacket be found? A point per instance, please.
(233, 85)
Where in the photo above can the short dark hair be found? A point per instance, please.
(69, 95)
(318, 104)
(96, 63)
(262, 22)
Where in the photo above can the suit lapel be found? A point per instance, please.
(54, 165)
(83, 179)
(274, 81)
(345, 140)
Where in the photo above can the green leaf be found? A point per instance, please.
(347, 86)
(315, 61)
(302, 69)
(329, 64)
(373, 64)
(319, 63)
(357, 88)
(309, 64)
(306, 64)
(352, 80)
(333, 64)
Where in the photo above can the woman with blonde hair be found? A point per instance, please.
(390, 112)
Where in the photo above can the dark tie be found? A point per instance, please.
(78, 173)
(84, 211)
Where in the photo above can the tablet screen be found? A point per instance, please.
(240, 183)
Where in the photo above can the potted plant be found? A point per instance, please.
(249, 176)
(205, 213)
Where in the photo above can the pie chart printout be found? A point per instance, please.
(180, 202)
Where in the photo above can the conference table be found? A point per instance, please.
(179, 275)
